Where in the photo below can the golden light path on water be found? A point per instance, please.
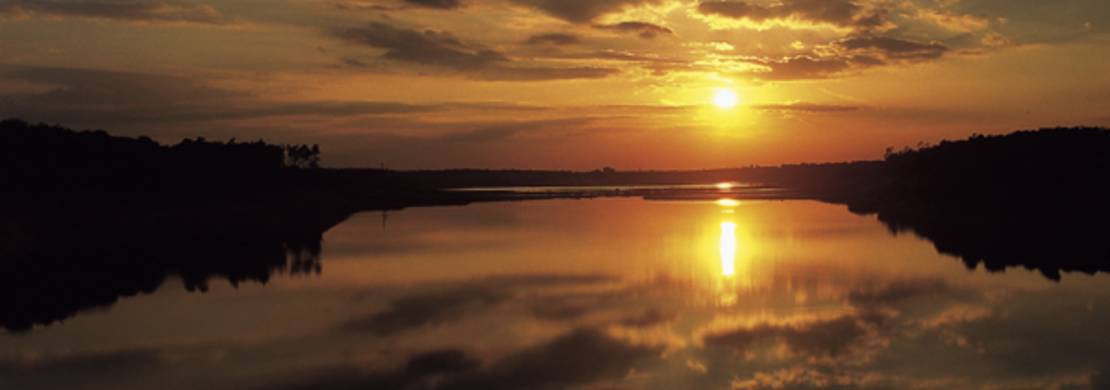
(728, 249)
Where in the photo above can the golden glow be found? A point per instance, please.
(724, 186)
(725, 99)
(728, 202)
(728, 249)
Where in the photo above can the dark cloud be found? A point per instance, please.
(581, 11)
(558, 39)
(558, 311)
(86, 363)
(546, 73)
(420, 371)
(92, 86)
(819, 338)
(853, 53)
(101, 98)
(453, 303)
(898, 291)
(838, 12)
(580, 357)
(444, 51)
(427, 309)
(802, 68)
(119, 10)
(893, 48)
(441, 4)
(648, 318)
(643, 29)
(57, 372)
(525, 280)
(421, 47)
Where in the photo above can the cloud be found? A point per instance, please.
(70, 370)
(441, 50)
(800, 378)
(613, 55)
(579, 357)
(827, 337)
(557, 39)
(801, 68)
(836, 12)
(558, 311)
(426, 47)
(853, 53)
(581, 11)
(806, 107)
(116, 10)
(892, 48)
(440, 4)
(86, 363)
(546, 73)
(643, 29)
(648, 318)
(90, 97)
(427, 309)
(454, 303)
(419, 368)
(898, 291)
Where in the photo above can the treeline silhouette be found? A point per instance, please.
(1037, 198)
(39, 159)
(90, 217)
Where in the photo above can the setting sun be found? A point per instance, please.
(725, 99)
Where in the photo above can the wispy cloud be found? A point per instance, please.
(642, 29)
(581, 11)
(116, 10)
(557, 39)
(807, 107)
(836, 12)
(445, 52)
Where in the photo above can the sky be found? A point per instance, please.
(559, 84)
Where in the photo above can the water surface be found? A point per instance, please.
(596, 294)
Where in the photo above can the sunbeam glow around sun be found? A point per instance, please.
(725, 99)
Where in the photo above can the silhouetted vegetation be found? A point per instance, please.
(41, 159)
(1039, 199)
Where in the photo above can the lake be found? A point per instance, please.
(608, 293)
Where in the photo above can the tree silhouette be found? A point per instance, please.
(302, 156)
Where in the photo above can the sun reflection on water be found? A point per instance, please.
(726, 202)
(728, 249)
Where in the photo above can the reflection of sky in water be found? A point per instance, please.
(618, 292)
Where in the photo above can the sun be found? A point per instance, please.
(725, 98)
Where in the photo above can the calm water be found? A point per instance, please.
(594, 294)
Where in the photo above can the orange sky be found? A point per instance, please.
(559, 83)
